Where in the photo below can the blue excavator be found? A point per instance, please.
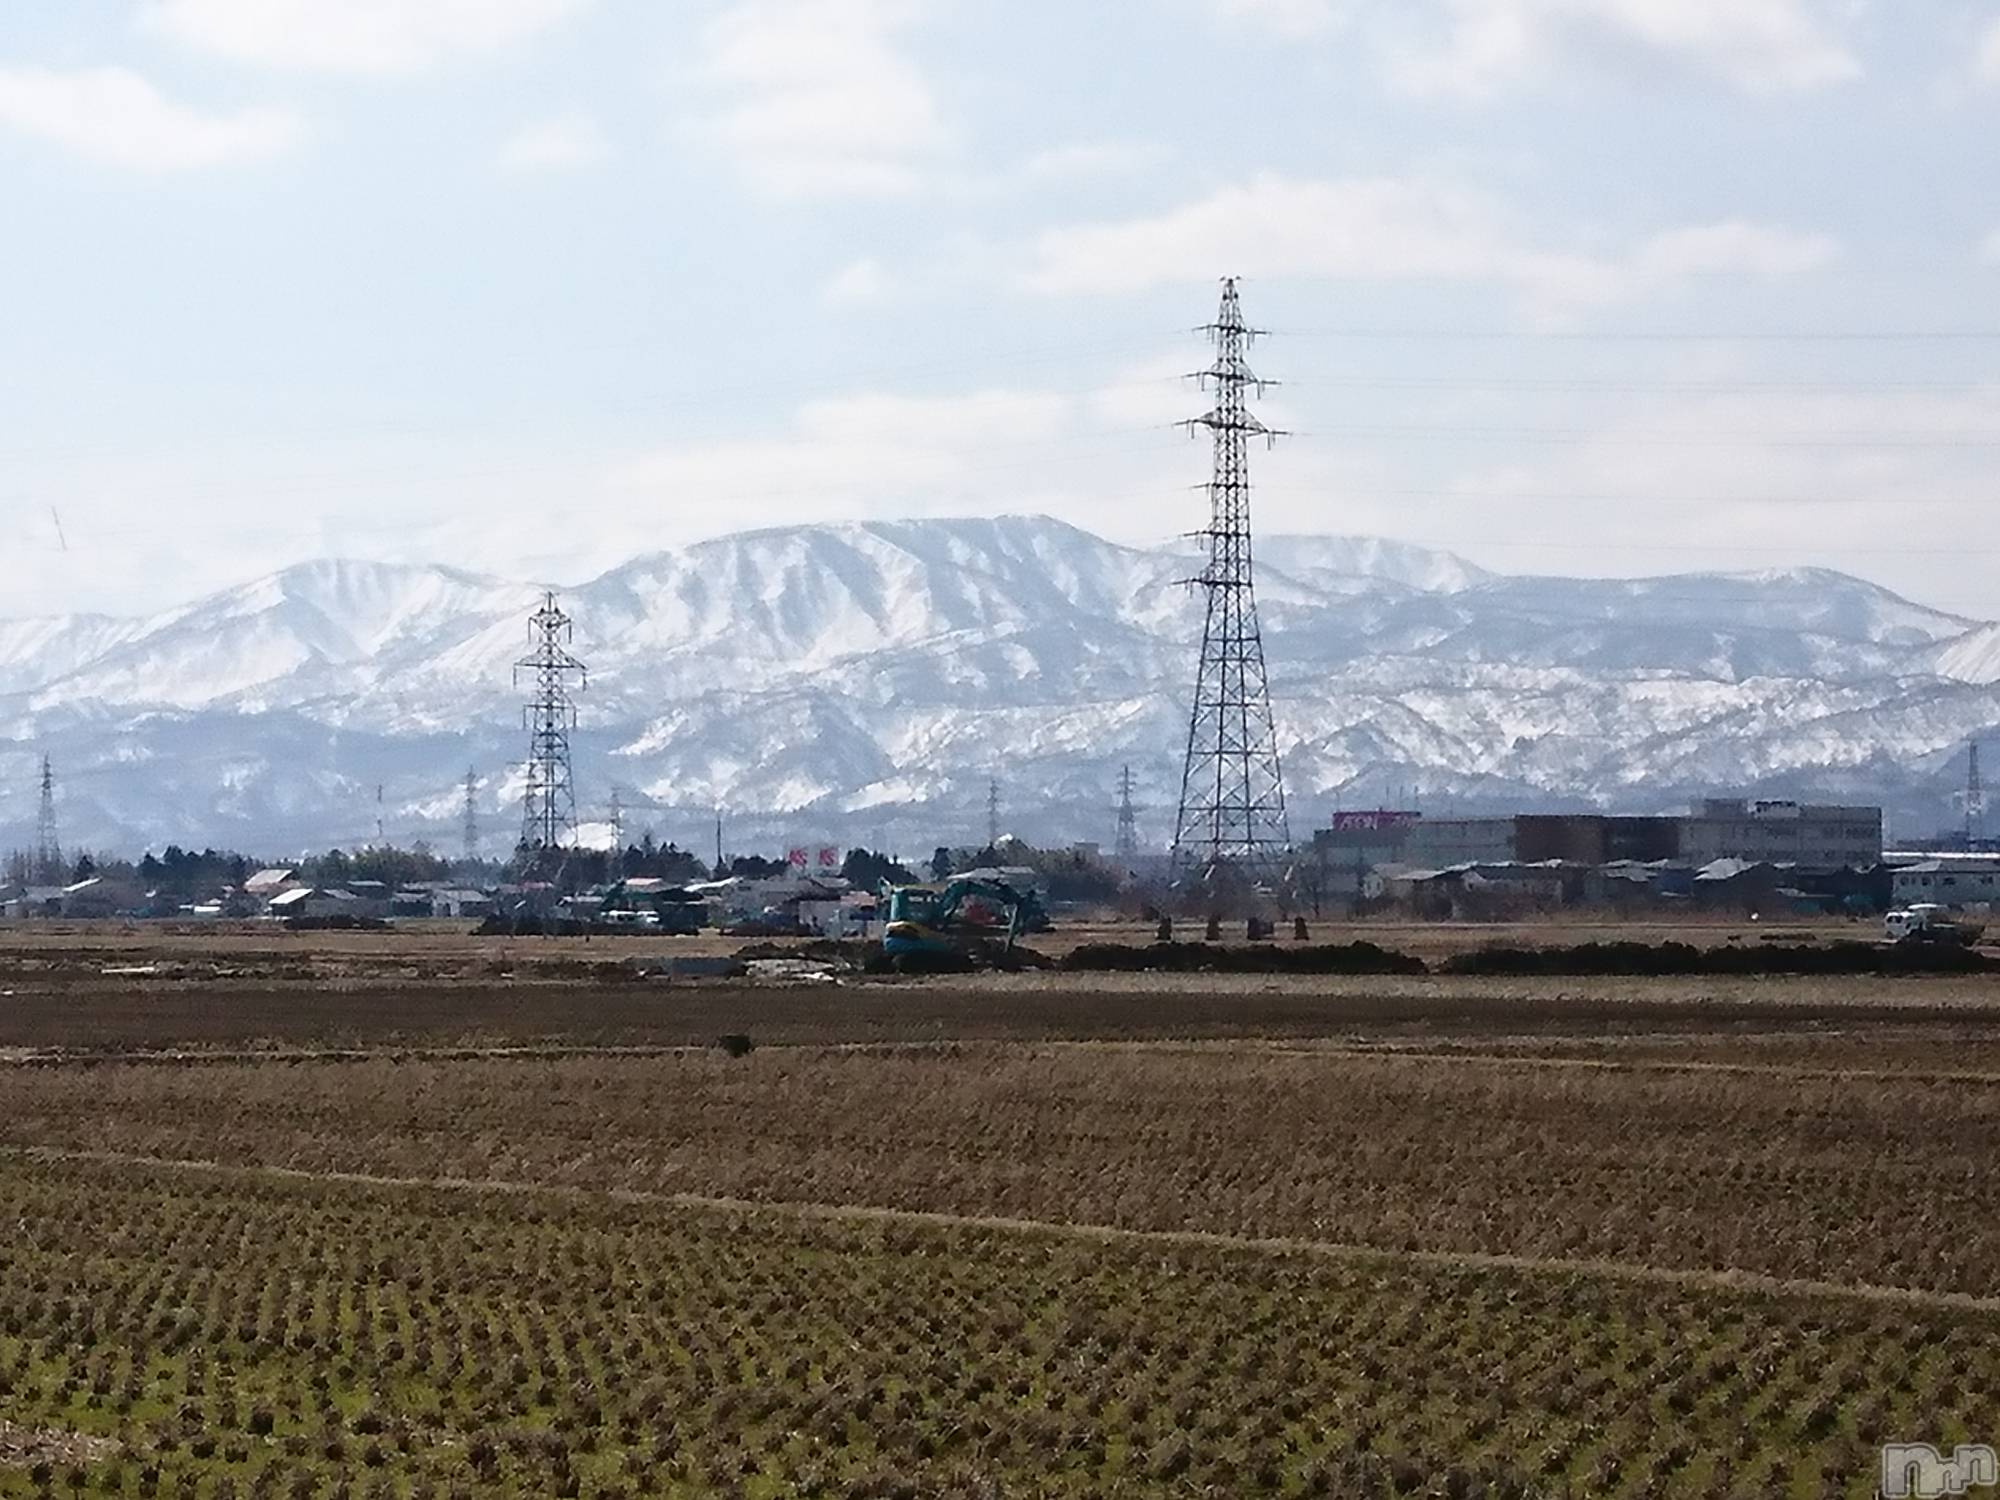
(967, 916)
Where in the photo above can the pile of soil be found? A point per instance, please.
(1182, 958)
(1683, 958)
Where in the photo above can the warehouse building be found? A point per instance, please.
(1796, 833)
(1788, 833)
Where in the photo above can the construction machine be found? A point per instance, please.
(965, 916)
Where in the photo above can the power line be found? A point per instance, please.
(1582, 385)
(1656, 336)
(1751, 438)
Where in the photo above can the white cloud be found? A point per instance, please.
(1731, 249)
(352, 36)
(1087, 159)
(1288, 18)
(859, 282)
(1986, 58)
(1389, 229)
(1759, 46)
(559, 143)
(116, 116)
(820, 99)
(1862, 480)
(1354, 228)
(864, 455)
(1989, 248)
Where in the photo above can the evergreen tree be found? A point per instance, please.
(866, 870)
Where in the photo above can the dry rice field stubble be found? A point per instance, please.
(215, 1333)
(1809, 1173)
(1037, 1236)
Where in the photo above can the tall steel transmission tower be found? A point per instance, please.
(469, 829)
(49, 865)
(1128, 821)
(549, 803)
(1232, 811)
(1974, 797)
(993, 813)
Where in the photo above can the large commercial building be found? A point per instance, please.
(1365, 839)
(1535, 838)
(1783, 833)
(1790, 833)
(1948, 880)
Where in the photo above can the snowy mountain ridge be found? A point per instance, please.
(863, 681)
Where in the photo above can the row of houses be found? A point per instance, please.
(794, 903)
(268, 893)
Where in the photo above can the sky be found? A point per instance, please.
(535, 286)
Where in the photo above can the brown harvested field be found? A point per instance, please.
(1807, 1172)
(1041, 1234)
(108, 989)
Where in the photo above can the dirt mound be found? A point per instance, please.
(1684, 958)
(1333, 958)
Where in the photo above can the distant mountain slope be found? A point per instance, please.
(864, 681)
(1971, 657)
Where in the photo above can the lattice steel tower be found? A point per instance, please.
(1974, 797)
(1128, 820)
(1232, 811)
(469, 828)
(549, 803)
(48, 847)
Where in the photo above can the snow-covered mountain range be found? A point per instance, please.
(863, 683)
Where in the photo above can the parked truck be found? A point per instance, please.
(1927, 922)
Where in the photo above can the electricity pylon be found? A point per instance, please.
(49, 867)
(1232, 808)
(1128, 821)
(548, 819)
